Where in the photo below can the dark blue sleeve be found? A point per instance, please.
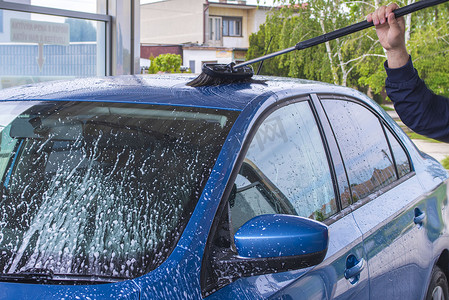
(417, 106)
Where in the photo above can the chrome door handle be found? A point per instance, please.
(355, 270)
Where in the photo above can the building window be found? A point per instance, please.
(232, 26)
(1, 21)
(215, 28)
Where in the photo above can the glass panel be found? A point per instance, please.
(364, 147)
(345, 195)
(218, 29)
(1, 21)
(285, 170)
(89, 6)
(101, 189)
(35, 48)
(225, 27)
(400, 156)
(238, 28)
(231, 27)
(7, 145)
(251, 200)
(211, 29)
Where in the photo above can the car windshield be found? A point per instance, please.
(100, 189)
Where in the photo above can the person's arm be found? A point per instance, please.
(417, 106)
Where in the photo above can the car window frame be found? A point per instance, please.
(207, 289)
(385, 126)
(336, 157)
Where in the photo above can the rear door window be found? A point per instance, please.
(364, 147)
(402, 162)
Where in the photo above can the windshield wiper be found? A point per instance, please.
(43, 275)
(38, 273)
(29, 275)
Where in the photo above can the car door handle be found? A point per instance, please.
(419, 216)
(355, 270)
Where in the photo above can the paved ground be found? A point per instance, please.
(437, 150)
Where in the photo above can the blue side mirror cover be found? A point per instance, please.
(271, 236)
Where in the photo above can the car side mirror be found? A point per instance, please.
(283, 236)
(272, 244)
(266, 244)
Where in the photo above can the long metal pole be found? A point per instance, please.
(343, 31)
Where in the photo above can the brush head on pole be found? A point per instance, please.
(216, 74)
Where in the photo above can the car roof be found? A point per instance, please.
(167, 90)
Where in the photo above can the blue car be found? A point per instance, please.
(145, 188)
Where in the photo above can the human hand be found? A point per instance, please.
(391, 34)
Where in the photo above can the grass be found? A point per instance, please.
(387, 108)
(414, 135)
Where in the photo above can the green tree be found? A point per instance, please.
(170, 63)
(355, 60)
(429, 47)
(335, 61)
(153, 68)
(428, 43)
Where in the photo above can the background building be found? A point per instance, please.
(43, 40)
(206, 31)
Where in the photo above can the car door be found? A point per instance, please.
(287, 168)
(386, 202)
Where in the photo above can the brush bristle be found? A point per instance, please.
(206, 80)
(202, 80)
(217, 74)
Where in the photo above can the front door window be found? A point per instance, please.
(285, 170)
